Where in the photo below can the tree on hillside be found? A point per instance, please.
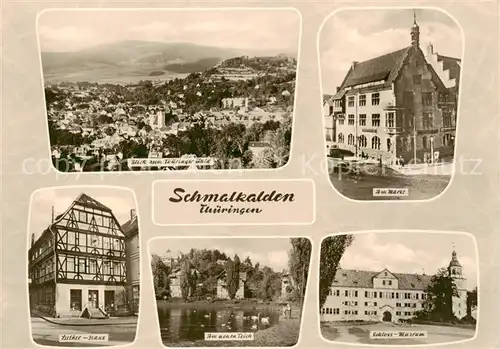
(438, 305)
(161, 280)
(332, 250)
(298, 263)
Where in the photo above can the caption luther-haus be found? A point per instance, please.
(400, 104)
(85, 264)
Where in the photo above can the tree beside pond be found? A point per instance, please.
(185, 280)
(232, 276)
(161, 280)
(298, 263)
(332, 250)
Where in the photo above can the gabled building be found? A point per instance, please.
(397, 105)
(386, 296)
(78, 266)
(132, 245)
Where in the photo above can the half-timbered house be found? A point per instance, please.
(77, 266)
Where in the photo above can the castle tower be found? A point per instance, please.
(455, 270)
(415, 32)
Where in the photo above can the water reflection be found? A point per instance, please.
(179, 323)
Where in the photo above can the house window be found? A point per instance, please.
(447, 119)
(350, 119)
(362, 119)
(383, 282)
(448, 140)
(427, 121)
(350, 101)
(351, 139)
(341, 120)
(390, 282)
(389, 120)
(330, 110)
(376, 145)
(427, 98)
(417, 79)
(375, 98)
(362, 100)
(341, 138)
(362, 141)
(375, 120)
(75, 302)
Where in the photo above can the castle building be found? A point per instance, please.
(400, 104)
(78, 265)
(386, 296)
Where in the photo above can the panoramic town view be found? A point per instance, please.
(398, 288)
(148, 95)
(84, 267)
(230, 292)
(390, 100)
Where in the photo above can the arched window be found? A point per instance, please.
(362, 141)
(341, 138)
(351, 139)
(376, 143)
(424, 142)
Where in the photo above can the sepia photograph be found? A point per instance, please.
(83, 266)
(230, 292)
(166, 90)
(398, 288)
(390, 82)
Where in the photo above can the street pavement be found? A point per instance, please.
(46, 333)
(361, 334)
(360, 186)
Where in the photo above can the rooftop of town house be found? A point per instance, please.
(364, 279)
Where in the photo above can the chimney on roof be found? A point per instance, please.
(32, 239)
(354, 63)
(132, 214)
(52, 219)
(337, 89)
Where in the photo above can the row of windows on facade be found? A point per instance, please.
(447, 140)
(336, 311)
(92, 266)
(390, 121)
(79, 266)
(373, 294)
(374, 304)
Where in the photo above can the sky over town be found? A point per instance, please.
(271, 252)
(249, 29)
(359, 35)
(120, 201)
(408, 252)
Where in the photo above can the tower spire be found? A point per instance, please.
(415, 32)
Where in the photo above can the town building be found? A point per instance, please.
(222, 286)
(386, 296)
(175, 281)
(78, 266)
(132, 245)
(400, 104)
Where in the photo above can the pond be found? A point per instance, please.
(181, 323)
